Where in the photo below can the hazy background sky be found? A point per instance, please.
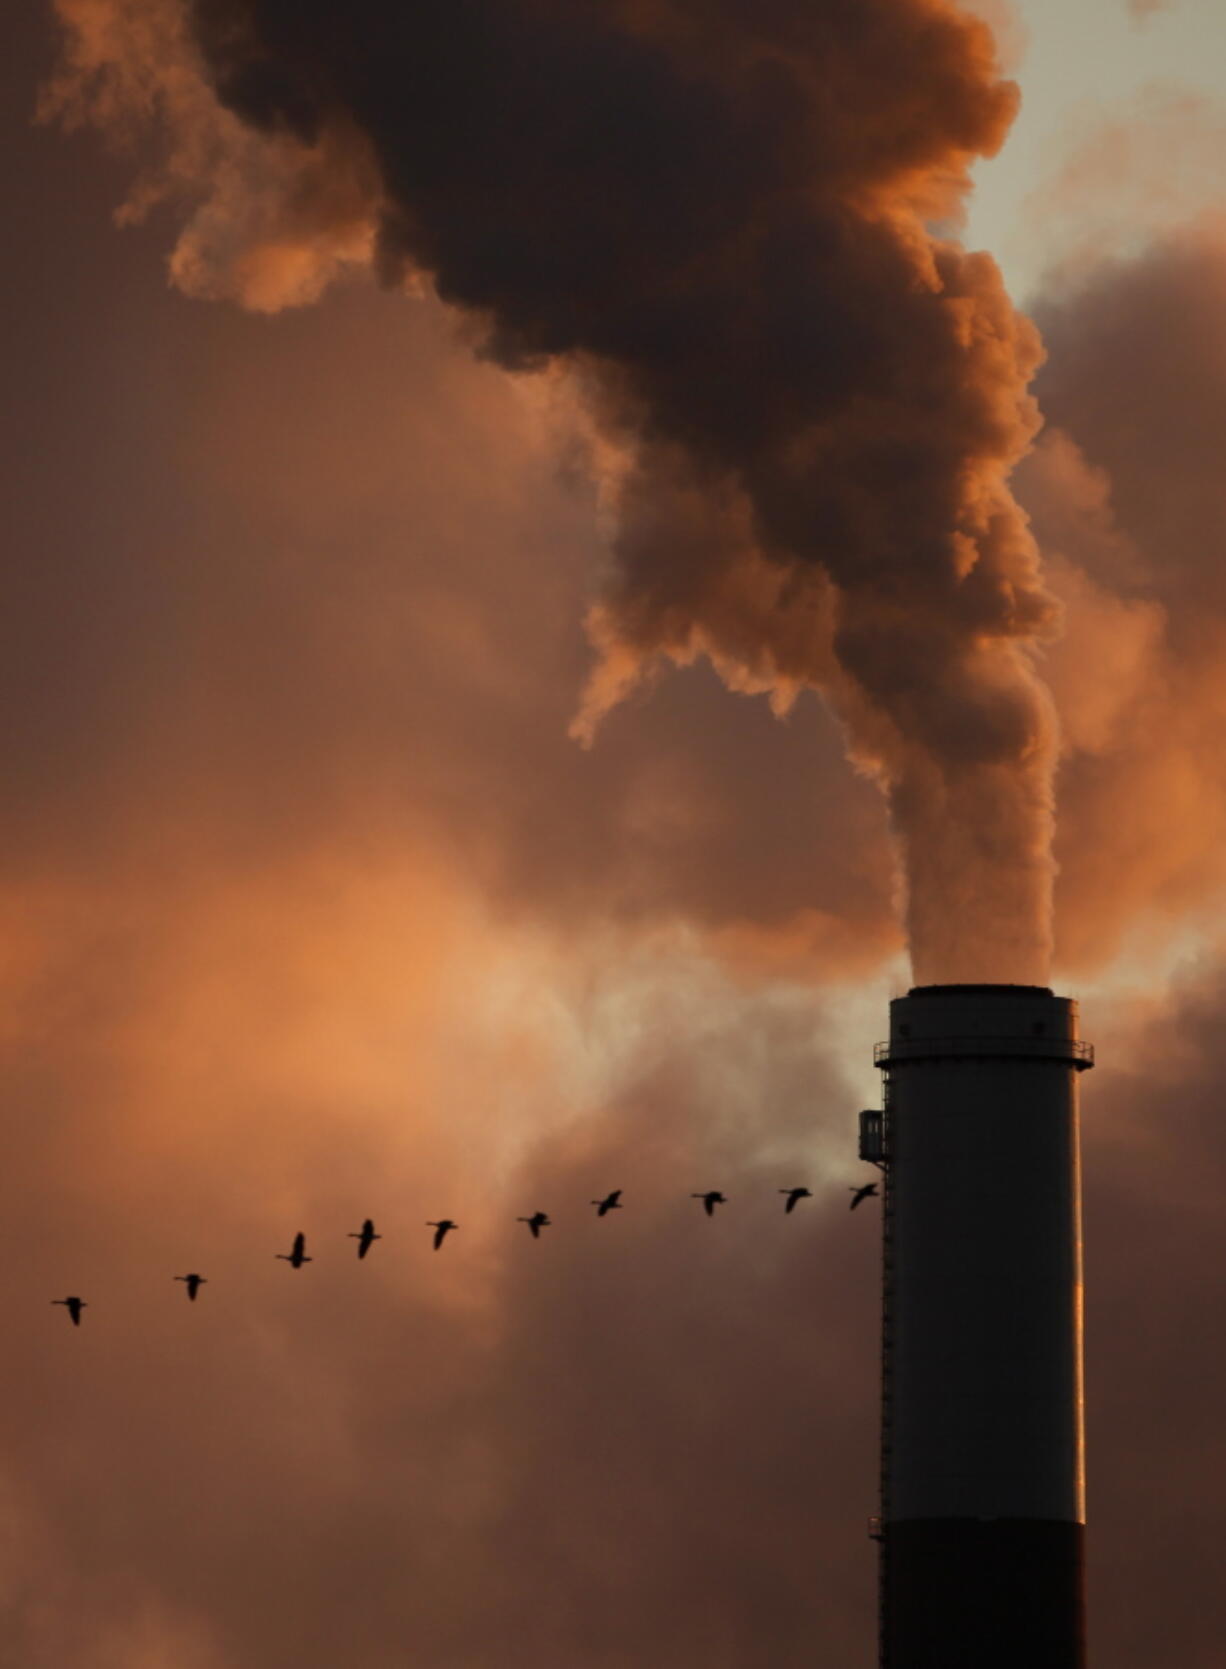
(1120, 129)
(312, 910)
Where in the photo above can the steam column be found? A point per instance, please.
(983, 1476)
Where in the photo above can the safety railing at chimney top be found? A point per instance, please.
(1077, 1052)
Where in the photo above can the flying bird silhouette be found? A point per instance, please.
(793, 1195)
(74, 1306)
(611, 1202)
(710, 1200)
(366, 1238)
(194, 1283)
(869, 1188)
(441, 1229)
(298, 1256)
(536, 1223)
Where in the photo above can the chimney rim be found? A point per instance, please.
(981, 991)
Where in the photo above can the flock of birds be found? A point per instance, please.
(366, 1236)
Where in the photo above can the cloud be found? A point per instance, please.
(1154, 1159)
(506, 1451)
(1124, 174)
(274, 222)
(312, 911)
(1126, 496)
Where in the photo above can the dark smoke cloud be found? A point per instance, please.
(280, 588)
(716, 216)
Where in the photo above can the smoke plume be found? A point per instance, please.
(718, 218)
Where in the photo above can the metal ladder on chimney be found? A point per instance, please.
(875, 1147)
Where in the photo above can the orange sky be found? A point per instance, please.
(314, 910)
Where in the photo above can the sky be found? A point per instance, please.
(1118, 134)
(316, 908)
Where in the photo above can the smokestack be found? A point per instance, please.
(982, 1447)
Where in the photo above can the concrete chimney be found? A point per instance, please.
(982, 1450)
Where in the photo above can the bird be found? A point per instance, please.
(441, 1230)
(366, 1238)
(74, 1307)
(710, 1200)
(536, 1223)
(793, 1195)
(194, 1283)
(298, 1256)
(862, 1194)
(611, 1202)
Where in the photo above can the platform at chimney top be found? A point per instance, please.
(952, 1022)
